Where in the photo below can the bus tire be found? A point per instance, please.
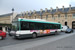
(56, 33)
(34, 35)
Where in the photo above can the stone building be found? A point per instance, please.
(6, 20)
(65, 16)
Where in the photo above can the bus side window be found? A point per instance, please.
(31, 26)
(58, 26)
(24, 25)
(37, 26)
(50, 25)
(46, 26)
(40, 26)
(62, 27)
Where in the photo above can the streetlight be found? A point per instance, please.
(12, 14)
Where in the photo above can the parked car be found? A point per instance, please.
(64, 28)
(11, 33)
(2, 35)
(69, 30)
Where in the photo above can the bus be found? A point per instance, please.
(22, 28)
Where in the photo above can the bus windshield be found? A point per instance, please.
(15, 25)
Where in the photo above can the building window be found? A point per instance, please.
(53, 17)
(58, 15)
(35, 17)
(41, 16)
(49, 16)
(65, 16)
(46, 17)
(58, 21)
(69, 16)
(29, 17)
(73, 16)
(62, 20)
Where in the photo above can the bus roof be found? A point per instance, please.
(36, 20)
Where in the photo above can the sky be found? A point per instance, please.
(27, 5)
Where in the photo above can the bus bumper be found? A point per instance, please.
(23, 35)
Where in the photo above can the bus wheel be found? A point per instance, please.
(1, 38)
(56, 33)
(34, 35)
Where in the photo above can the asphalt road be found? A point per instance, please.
(67, 43)
(11, 41)
(52, 42)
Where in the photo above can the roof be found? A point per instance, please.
(4, 15)
(36, 20)
(53, 11)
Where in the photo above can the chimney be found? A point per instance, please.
(41, 10)
(34, 11)
(62, 8)
(26, 12)
(69, 7)
(21, 13)
(30, 11)
(46, 9)
(51, 9)
(57, 8)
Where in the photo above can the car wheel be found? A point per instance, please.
(34, 35)
(72, 31)
(10, 35)
(1, 38)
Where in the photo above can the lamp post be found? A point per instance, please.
(12, 14)
(12, 10)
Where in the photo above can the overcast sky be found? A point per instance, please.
(27, 5)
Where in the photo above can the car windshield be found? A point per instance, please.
(68, 29)
(15, 25)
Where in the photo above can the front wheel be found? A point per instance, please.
(56, 33)
(34, 35)
(1, 38)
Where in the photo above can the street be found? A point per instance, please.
(11, 41)
(41, 43)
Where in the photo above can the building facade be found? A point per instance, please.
(6, 21)
(65, 16)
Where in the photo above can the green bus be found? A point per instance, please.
(22, 28)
